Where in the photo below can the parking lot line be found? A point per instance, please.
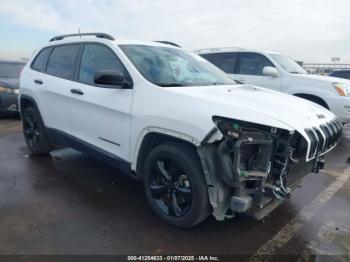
(289, 230)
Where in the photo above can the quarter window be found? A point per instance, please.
(95, 58)
(62, 61)
(40, 61)
(253, 64)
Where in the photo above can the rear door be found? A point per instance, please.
(53, 82)
(101, 116)
(225, 61)
(250, 70)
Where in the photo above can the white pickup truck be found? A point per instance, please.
(201, 143)
(281, 73)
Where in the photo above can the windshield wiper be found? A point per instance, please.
(168, 84)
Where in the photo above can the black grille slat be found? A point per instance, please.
(339, 128)
(333, 133)
(328, 136)
(335, 127)
(313, 140)
(320, 143)
(324, 137)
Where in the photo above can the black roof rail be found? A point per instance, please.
(98, 35)
(168, 43)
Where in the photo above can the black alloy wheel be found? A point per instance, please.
(31, 131)
(35, 132)
(174, 184)
(170, 187)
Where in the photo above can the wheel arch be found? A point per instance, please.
(313, 98)
(154, 137)
(26, 101)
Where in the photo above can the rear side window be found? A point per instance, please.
(97, 57)
(62, 61)
(225, 61)
(252, 64)
(40, 61)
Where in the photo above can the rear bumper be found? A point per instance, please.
(9, 103)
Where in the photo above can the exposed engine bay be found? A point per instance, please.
(251, 168)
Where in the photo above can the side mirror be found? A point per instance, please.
(109, 78)
(270, 71)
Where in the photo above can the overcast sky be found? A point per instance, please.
(312, 31)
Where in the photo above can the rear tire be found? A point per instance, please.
(35, 132)
(174, 185)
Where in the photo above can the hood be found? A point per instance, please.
(258, 105)
(325, 79)
(9, 83)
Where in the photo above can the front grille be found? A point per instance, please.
(321, 141)
(323, 137)
(313, 140)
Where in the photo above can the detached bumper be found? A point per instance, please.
(340, 106)
(9, 103)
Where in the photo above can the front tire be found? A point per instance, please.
(174, 185)
(35, 132)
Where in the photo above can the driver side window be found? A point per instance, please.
(97, 57)
(252, 64)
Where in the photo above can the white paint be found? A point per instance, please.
(289, 230)
(326, 235)
(326, 244)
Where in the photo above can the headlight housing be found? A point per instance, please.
(342, 89)
(8, 90)
(234, 128)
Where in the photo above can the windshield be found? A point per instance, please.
(289, 64)
(164, 66)
(10, 70)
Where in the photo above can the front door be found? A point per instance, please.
(101, 116)
(250, 70)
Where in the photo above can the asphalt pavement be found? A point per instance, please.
(69, 203)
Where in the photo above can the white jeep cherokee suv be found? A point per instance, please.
(281, 73)
(200, 142)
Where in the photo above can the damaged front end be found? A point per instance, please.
(251, 168)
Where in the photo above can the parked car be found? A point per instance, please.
(341, 73)
(201, 143)
(9, 83)
(281, 73)
(324, 71)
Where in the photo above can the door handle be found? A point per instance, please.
(38, 82)
(76, 91)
